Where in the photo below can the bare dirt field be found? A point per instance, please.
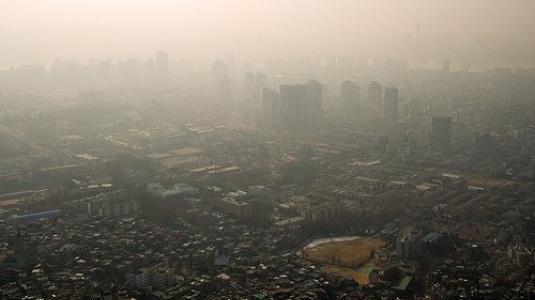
(350, 254)
(349, 259)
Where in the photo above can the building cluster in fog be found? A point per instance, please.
(315, 170)
(167, 190)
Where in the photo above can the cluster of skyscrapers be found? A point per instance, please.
(299, 106)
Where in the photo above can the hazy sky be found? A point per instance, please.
(37, 31)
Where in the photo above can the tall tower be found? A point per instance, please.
(222, 82)
(314, 99)
(270, 107)
(375, 98)
(161, 65)
(301, 104)
(441, 133)
(350, 94)
(391, 113)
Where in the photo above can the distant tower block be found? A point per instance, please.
(350, 96)
(441, 133)
(162, 65)
(375, 98)
(301, 104)
(391, 113)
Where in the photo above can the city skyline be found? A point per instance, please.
(485, 33)
(267, 149)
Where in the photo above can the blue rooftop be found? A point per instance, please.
(432, 237)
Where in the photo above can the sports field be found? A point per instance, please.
(352, 254)
(345, 258)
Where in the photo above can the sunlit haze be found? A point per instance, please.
(482, 31)
(267, 149)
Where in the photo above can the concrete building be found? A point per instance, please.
(234, 207)
(162, 66)
(409, 246)
(375, 98)
(441, 133)
(270, 107)
(350, 96)
(391, 113)
(114, 204)
(157, 276)
(301, 104)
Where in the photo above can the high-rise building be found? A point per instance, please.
(225, 90)
(441, 133)
(222, 82)
(300, 105)
(409, 246)
(270, 106)
(109, 205)
(251, 89)
(350, 94)
(161, 65)
(293, 110)
(484, 144)
(375, 98)
(391, 112)
(314, 102)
